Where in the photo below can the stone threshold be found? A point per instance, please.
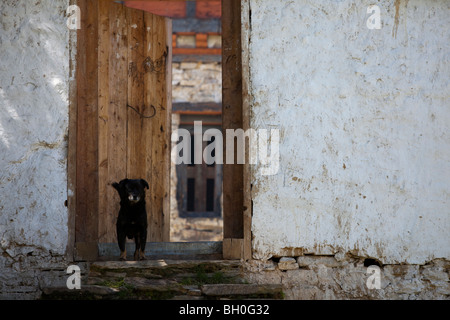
(164, 280)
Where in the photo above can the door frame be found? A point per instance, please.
(236, 105)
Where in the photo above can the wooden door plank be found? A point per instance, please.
(105, 190)
(168, 128)
(147, 128)
(156, 73)
(136, 138)
(157, 82)
(152, 232)
(86, 222)
(117, 112)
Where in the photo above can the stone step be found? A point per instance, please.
(87, 292)
(165, 268)
(165, 250)
(165, 279)
(243, 291)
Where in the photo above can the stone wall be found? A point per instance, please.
(26, 270)
(196, 82)
(344, 276)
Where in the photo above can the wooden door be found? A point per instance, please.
(134, 113)
(123, 118)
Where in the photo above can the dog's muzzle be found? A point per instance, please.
(133, 199)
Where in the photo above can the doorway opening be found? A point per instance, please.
(129, 63)
(195, 189)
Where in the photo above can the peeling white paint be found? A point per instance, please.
(363, 117)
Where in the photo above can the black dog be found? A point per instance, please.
(132, 220)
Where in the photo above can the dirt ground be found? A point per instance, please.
(196, 229)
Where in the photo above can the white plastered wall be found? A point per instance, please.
(34, 106)
(364, 128)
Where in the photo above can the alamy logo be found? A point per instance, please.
(74, 19)
(374, 21)
(74, 281)
(374, 280)
(263, 147)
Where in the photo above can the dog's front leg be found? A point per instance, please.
(143, 241)
(138, 245)
(140, 241)
(121, 239)
(123, 255)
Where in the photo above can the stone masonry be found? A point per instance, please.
(26, 270)
(344, 276)
(197, 82)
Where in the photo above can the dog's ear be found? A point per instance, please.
(144, 183)
(123, 182)
(119, 186)
(116, 186)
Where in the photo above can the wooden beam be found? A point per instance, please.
(72, 146)
(198, 51)
(233, 248)
(86, 222)
(168, 129)
(117, 115)
(246, 100)
(86, 251)
(106, 192)
(157, 80)
(232, 116)
(136, 136)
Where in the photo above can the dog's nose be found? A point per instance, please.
(133, 197)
